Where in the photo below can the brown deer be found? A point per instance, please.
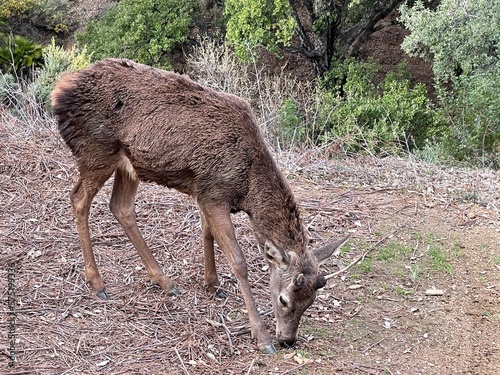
(146, 124)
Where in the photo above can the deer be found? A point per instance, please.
(140, 123)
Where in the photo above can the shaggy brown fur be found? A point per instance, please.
(146, 124)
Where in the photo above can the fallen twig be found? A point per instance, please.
(228, 334)
(373, 345)
(251, 366)
(181, 361)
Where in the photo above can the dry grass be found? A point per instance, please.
(215, 65)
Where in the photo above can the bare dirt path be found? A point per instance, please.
(443, 238)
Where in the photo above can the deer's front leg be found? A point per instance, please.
(219, 220)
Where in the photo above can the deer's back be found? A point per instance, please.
(174, 131)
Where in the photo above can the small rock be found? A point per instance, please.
(434, 292)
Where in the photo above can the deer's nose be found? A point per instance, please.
(287, 343)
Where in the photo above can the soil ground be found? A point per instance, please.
(427, 230)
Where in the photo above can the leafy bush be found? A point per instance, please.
(254, 23)
(52, 14)
(473, 112)
(385, 118)
(19, 55)
(10, 8)
(49, 14)
(142, 30)
(462, 41)
(289, 124)
(460, 37)
(57, 61)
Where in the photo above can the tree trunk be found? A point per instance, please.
(354, 38)
(322, 44)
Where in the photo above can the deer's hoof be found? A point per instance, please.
(268, 349)
(173, 291)
(103, 295)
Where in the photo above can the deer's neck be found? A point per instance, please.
(273, 209)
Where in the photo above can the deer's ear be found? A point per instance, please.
(320, 282)
(276, 256)
(325, 252)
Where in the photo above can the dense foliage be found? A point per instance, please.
(472, 112)
(462, 39)
(254, 23)
(44, 14)
(385, 118)
(10, 8)
(142, 30)
(324, 30)
(349, 107)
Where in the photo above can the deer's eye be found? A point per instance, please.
(283, 301)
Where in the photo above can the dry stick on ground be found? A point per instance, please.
(228, 334)
(363, 256)
(289, 371)
(373, 345)
(182, 362)
(251, 366)
(226, 330)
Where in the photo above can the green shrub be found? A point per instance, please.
(386, 118)
(289, 127)
(142, 30)
(57, 61)
(473, 111)
(254, 23)
(459, 37)
(19, 55)
(52, 14)
(12, 8)
(47, 14)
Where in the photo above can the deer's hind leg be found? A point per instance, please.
(81, 196)
(122, 207)
(211, 278)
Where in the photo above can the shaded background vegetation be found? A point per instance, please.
(297, 62)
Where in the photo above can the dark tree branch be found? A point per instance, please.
(303, 14)
(356, 36)
(320, 33)
(304, 38)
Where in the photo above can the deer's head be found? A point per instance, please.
(295, 279)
